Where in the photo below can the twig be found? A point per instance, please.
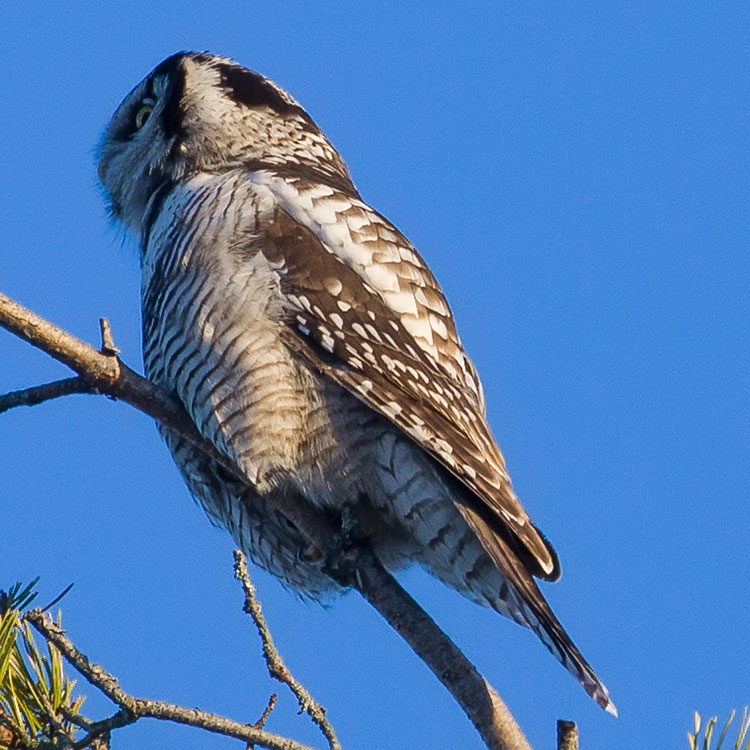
(111, 377)
(62, 594)
(263, 718)
(276, 667)
(98, 732)
(132, 708)
(567, 735)
(266, 712)
(108, 342)
(75, 718)
(38, 394)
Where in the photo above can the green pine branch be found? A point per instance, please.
(37, 705)
(696, 742)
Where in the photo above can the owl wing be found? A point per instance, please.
(338, 323)
(364, 309)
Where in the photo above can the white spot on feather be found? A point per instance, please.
(333, 286)
(438, 325)
(356, 220)
(358, 329)
(443, 446)
(373, 332)
(207, 331)
(392, 408)
(336, 235)
(408, 255)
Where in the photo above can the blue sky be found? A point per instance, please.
(577, 177)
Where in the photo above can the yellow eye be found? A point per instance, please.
(142, 115)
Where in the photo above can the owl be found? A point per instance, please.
(312, 346)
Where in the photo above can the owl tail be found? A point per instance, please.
(535, 610)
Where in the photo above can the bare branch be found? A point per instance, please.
(60, 344)
(479, 700)
(38, 394)
(75, 718)
(132, 709)
(108, 342)
(276, 667)
(266, 712)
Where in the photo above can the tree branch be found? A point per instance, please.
(104, 371)
(132, 708)
(276, 667)
(107, 375)
(38, 394)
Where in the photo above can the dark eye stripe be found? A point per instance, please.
(252, 90)
(249, 89)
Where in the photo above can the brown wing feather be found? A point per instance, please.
(343, 328)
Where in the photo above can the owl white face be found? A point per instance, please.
(200, 113)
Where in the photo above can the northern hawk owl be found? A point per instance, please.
(311, 344)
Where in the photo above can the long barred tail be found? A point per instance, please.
(535, 610)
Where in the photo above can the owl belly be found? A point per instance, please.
(281, 423)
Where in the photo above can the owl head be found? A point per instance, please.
(194, 113)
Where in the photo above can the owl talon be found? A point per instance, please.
(345, 557)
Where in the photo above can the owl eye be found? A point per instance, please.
(142, 115)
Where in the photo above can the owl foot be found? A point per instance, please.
(348, 550)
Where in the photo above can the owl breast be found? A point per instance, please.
(212, 317)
